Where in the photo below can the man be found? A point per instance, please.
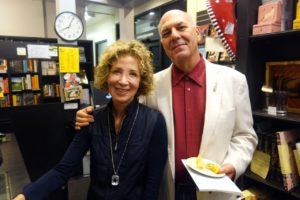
(206, 108)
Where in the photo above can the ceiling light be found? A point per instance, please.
(87, 16)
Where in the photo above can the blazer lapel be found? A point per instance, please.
(213, 93)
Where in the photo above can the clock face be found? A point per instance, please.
(68, 26)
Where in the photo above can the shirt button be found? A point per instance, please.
(188, 89)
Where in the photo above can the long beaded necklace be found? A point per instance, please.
(115, 179)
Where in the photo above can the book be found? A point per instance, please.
(274, 171)
(27, 98)
(35, 82)
(286, 141)
(3, 65)
(82, 57)
(17, 83)
(85, 98)
(297, 156)
(49, 68)
(16, 100)
(1, 84)
(28, 84)
(5, 85)
(5, 102)
(287, 15)
(16, 66)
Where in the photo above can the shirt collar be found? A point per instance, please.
(129, 109)
(196, 74)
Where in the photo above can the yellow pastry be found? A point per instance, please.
(210, 166)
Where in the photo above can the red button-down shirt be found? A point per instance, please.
(189, 95)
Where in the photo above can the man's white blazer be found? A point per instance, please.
(228, 135)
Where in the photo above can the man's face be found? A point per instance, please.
(179, 36)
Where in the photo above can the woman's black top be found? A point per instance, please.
(140, 171)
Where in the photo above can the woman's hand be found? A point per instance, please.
(229, 170)
(19, 197)
(83, 117)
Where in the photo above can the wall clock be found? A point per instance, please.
(68, 26)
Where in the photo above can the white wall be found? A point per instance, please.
(22, 18)
(102, 30)
(28, 18)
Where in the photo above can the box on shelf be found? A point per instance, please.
(296, 24)
(269, 18)
(266, 28)
(270, 12)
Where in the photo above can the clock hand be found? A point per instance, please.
(71, 22)
(64, 28)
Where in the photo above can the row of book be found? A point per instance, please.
(24, 66)
(25, 99)
(51, 90)
(28, 82)
(285, 159)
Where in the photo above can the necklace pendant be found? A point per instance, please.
(115, 180)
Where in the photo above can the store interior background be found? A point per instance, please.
(35, 18)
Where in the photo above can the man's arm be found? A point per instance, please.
(84, 117)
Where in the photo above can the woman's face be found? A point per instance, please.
(124, 80)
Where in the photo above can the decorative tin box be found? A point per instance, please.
(270, 12)
(266, 28)
(269, 18)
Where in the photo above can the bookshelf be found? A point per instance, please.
(31, 81)
(252, 53)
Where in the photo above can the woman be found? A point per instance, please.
(127, 141)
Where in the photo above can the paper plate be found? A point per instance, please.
(191, 162)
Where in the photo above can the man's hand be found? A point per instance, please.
(19, 197)
(83, 117)
(229, 170)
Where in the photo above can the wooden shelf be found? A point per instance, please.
(276, 35)
(290, 117)
(272, 184)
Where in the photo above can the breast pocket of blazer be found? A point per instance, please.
(226, 121)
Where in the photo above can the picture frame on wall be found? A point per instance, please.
(212, 56)
(285, 76)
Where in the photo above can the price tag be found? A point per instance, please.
(272, 110)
